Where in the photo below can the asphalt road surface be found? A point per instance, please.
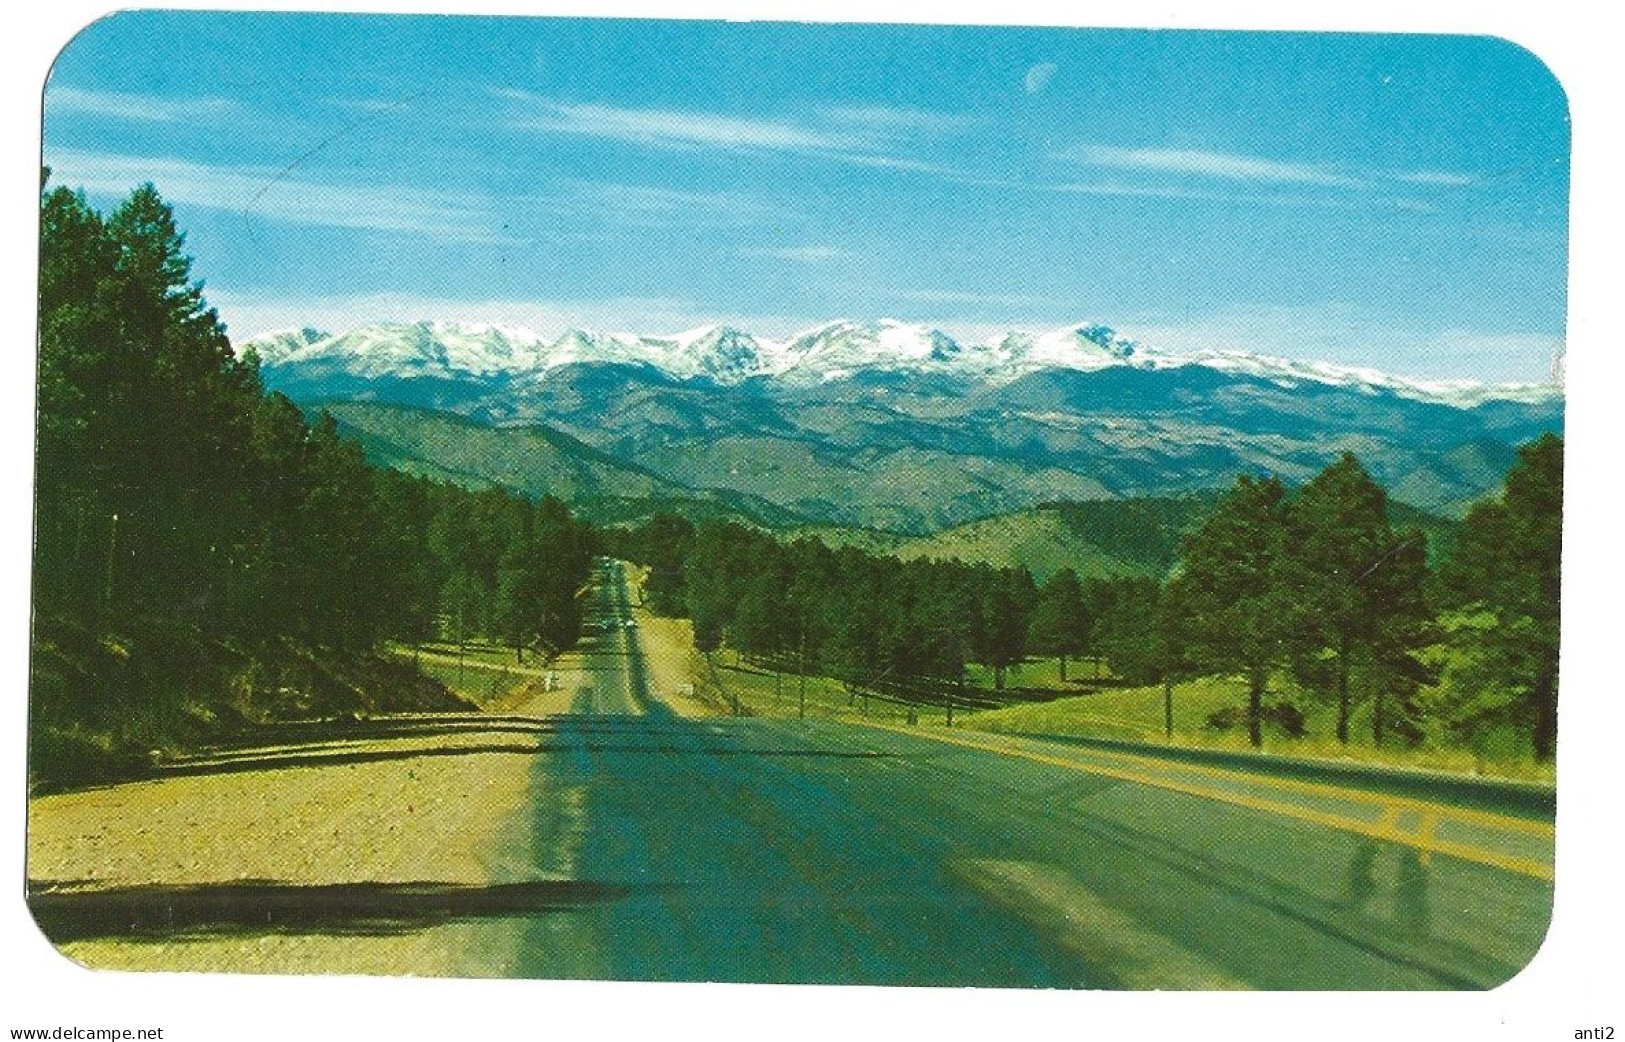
(757, 850)
(595, 832)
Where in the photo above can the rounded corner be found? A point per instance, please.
(54, 945)
(78, 35)
(1538, 61)
(1542, 947)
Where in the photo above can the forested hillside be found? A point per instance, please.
(209, 556)
(204, 557)
(876, 428)
(1326, 593)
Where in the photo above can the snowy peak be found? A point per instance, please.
(718, 353)
(279, 345)
(1075, 347)
(1104, 340)
(838, 349)
(918, 344)
(833, 351)
(1289, 372)
(582, 345)
(403, 349)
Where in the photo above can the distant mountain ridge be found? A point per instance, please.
(532, 459)
(885, 427)
(829, 352)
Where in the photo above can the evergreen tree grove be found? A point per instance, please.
(182, 509)
(1236, 613)
(1356, 589)
(1504, 580)
(1060, 625)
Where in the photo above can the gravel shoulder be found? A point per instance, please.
(399, 848)
(446, 808)
(668, 652)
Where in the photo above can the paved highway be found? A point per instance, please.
(592, 831)
(757, 850)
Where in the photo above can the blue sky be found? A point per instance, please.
(1392, 201)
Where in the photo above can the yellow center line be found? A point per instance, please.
(1382, 830)
(1390, 820)
(1465, 815)
(1486, 819)
(1425, 830)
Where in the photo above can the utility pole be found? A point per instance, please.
(801, 707)
(112, 556)
(716, 678)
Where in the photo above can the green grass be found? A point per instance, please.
(486, 674)
(1038, 540)
(475, 651)
(1040, 674)
(1137, 714)
(760, 693)
(1134, 713)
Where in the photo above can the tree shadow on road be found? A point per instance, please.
(76, 912)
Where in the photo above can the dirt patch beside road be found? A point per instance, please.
(435, 844)
(442, 811)
(668, 651)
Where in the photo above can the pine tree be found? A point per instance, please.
(1506, 565)
(1356, 587)
(76, 330)
(1007, 604)
(1232, 608)
(663, 542)
(185, 512)
(1060, 625)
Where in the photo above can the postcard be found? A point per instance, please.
(771, 502)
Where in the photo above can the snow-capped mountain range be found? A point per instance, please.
(830, 352)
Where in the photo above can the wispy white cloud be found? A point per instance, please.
(1148, 191)
(1250, 195)
(264, 192)
(919, 166)
(249, 314)
(1176, 173)
(1438, 178)
(1222, 165)
(811, 254)
(268, 193)
(869, 135)
(674, 128)
(146, 108)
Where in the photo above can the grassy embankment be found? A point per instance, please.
(1137, 714)
(1132, 714)
(105, 707)
(484, 673)
(728, 682)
